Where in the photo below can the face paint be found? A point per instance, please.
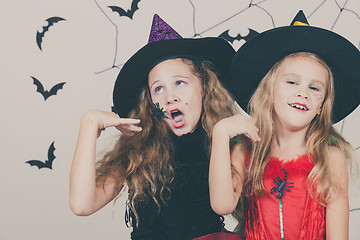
(299, 92)
(178, 91)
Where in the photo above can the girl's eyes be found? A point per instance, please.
(291, 82)
(179, 83)
(158, 89)
(295, 83)
(314, 88)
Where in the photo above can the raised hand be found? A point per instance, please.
(102, 119)
(86, 195)
(236, 125)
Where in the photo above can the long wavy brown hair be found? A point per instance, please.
(142, 162)
(317, 137)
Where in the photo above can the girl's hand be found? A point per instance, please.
(102, 119)
(87, 195)
(236, 125)
(226, 185)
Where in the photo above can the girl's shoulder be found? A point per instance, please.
(333, 141)
(337, 158)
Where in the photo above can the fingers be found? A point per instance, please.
(126, 123)
(103, 119)
(240, 124)
(128, 129)
(125, 131)
(126, 120)
(250, 130)
(253, 135)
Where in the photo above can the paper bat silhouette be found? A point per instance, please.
(46, 93)
(238, 37)
(128, 13)
(48, 163)
(40, 35)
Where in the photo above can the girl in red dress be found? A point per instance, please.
(291, 180)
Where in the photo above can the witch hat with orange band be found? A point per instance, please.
(256, 57)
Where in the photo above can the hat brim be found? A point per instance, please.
(256, 57)
(133, 76)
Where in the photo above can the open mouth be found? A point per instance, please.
(299, 106)
(177, 118)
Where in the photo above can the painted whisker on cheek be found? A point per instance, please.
(319, 100)
(159, 112)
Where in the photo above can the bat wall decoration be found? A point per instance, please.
(45, 93)
(40, 35)
(48, 163)
(226, 36)
(129, 13)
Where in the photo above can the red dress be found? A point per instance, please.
(302, 216)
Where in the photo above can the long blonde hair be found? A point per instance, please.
(142, 161)
(317, 136)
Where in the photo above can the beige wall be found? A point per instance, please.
(80, 51)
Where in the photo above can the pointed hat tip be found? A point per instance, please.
(160, 30)
(156, 17)
(300, 19)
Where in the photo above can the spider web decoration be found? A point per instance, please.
(116, 40)
(341, 11)
(252, 4)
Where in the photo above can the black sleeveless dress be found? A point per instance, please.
(187, 214)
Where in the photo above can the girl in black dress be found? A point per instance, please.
(168, 97)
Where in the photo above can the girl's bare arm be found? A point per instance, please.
(86, 195)
(337, 210)
(226, 187)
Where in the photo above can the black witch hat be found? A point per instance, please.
(165, 43)
(256, 57)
